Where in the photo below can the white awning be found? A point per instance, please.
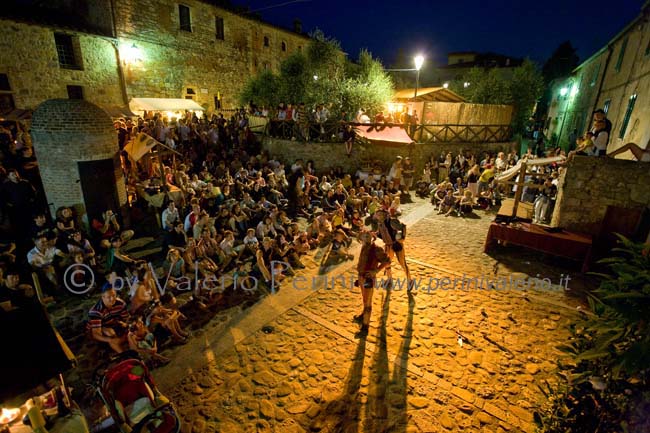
(163, 104)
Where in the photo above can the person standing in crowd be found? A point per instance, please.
(395, 173)
(19, 197)
(408, 171)
(372, 260)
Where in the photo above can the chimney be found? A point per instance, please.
(297, 26)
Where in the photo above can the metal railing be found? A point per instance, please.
(333, 131)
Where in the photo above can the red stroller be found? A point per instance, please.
(130, 395)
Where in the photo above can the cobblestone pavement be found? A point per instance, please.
(305, 370)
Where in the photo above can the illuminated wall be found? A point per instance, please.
(198, 64)
(30, 61)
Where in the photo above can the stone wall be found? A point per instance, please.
(589, 185)
(30, 60)
(173, 60)
(326, 155)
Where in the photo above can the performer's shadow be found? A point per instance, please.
(386, 409)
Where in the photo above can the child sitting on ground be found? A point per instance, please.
(447, 203)
(340, 245)
(466, 204)
(141, 340)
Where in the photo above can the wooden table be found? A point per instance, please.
(574, 246)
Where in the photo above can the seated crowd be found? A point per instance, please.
(235, 213)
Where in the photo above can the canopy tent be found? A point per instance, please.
(164, 104)
(390, 135)
(427, 94)
(118, 111)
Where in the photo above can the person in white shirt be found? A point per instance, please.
(250, 240)
(325, 185)
(42, 256)
(170, 217)
(265, 228)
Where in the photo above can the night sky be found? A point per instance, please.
(511, 27)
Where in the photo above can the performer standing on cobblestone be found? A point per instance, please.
(372, 260)
(392, 232)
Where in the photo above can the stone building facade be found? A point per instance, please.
(147, 48)
(616, 79)
(30, 64)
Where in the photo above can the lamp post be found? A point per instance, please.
(419, 60)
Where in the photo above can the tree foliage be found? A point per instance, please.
(323, 74)
(561, 63)
(490, 86)
(608, 354)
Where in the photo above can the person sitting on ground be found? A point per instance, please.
(13, 294)
(142, 341)
(230, 250)
(446, 205)
(302, 244)
(324, 226)
(466, 204)
(109, 227)
(116, 260)
(485, 201)
(107, 320)
(439, 195)
(250, 241)
(356, 222)
(42, 257)
(340, 245)
(78, 244)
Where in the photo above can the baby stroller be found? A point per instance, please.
(131, 397)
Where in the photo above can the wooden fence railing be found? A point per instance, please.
(332, 131)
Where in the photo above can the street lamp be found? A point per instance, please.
(419, 60)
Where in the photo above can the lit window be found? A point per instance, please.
(184, 18)
(628, 114)
(66, 50)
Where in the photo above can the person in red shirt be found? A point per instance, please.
(108, 227)
(372, 260)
